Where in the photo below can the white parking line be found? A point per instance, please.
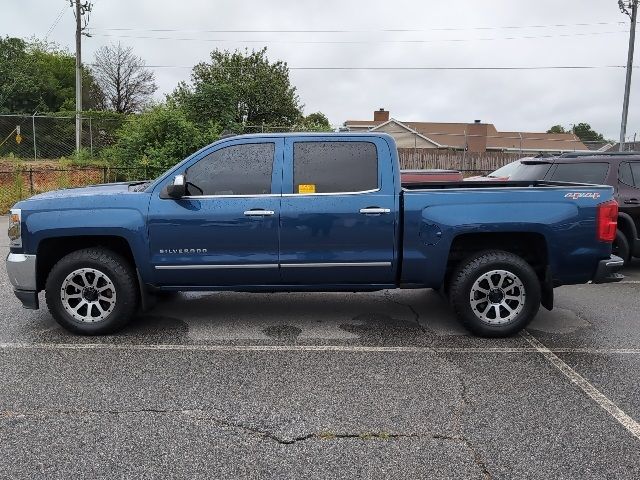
(616, 412)
(305, 348)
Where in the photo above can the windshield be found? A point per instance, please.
(505, 171)
(530, 171)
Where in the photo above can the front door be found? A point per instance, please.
(338, 214)
(225, 231)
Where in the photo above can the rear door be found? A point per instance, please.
(225, 231)
(338, 214)
(629, 190)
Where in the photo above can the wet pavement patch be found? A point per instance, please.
(283, 333)
(376, 328)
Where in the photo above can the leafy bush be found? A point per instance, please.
(158, 138)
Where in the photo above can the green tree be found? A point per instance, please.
(240, 88)
(557, 129)
(159, 138)
(314, 122)
(39, 76)
(581, 130)
(585, 133)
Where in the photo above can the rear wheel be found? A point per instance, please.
(621, 247)
(92, 291)
(495, 293)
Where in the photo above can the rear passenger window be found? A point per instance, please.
(581, 172)
(635, 168)
(624, 174)
(333, 167)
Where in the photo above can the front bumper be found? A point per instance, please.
(21, 269)
(607, 270)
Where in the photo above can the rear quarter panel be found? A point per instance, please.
(434, 218)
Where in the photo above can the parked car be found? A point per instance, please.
(416, 177)
(619, 170)
(501, 174)
(308, 212)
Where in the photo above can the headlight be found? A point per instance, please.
(15, 229)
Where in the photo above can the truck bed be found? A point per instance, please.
(491, 184)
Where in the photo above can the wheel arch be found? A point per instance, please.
(51, 250)
(627, 226)
(530, 246)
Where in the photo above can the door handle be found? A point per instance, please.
(374, 210)
(632, 201)
(259, 213)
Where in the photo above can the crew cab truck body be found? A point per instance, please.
(308, 212)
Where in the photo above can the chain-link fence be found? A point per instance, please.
(22, 183)
(40, 137)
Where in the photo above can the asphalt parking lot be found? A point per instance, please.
(326, 386)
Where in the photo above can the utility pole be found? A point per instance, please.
(80, 10)
(78, 76)
(624, 7)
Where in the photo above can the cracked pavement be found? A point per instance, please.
(447, 406)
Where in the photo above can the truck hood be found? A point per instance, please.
(91, 190)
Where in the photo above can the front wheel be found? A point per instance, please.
(92, 291)
(495, 293)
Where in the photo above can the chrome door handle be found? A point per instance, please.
(259, 213)
(374, 211)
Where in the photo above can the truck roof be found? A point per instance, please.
(586, 157)
(308, 134)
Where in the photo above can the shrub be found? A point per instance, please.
(158, 138)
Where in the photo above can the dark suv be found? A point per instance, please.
(620, 170)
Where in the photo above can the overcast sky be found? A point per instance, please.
(465, 33)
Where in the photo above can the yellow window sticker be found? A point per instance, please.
(307, 188)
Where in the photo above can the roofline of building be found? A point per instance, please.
(410, 130)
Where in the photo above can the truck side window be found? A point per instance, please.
(635, 168)
(334, 167)
(235, 170)
(624, 174)
(595, 173)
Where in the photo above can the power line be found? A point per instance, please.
(55, 22)
(391, 30)
(356, 42)
(541, 67)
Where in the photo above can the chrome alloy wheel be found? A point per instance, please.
(497, 297)
(88, 295)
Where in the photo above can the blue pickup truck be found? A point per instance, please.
(308, 212)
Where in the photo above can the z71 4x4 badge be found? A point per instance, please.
(577, 195)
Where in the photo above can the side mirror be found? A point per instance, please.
(177, 189)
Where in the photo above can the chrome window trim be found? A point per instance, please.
(335, 264)
(330, 193)
(217, 266)
(264, 195)
(257, 195)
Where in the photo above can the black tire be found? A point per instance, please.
(98, 262)
(621, 247)
(520, 280)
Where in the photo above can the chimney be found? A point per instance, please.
(381, 115)
(477, 136)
